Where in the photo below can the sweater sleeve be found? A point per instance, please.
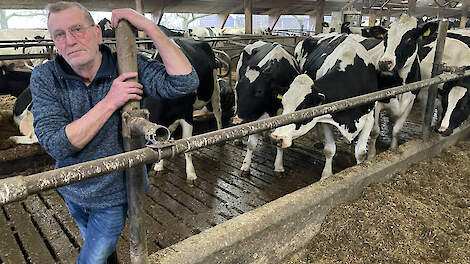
(157, 82)
(50, 117)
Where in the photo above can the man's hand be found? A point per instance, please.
(122, 91)
(139, 21)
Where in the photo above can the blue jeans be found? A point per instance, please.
(100, 229)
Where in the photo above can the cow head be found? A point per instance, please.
(455, 104)
(106, 30)
(401, 43)
(345, 28)
(255, 91)
(302, 94)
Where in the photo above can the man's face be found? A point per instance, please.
(74, 38)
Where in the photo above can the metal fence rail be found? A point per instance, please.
(19, 187)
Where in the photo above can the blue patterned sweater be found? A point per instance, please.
(60, 97)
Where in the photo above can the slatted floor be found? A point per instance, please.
(40, 230)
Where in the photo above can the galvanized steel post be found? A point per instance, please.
(127, 61)
(432, 90)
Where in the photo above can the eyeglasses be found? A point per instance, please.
(77, 31)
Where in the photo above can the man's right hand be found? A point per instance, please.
(122, 91)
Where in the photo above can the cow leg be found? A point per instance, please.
(399, 122)
(278, 163)
(374, 134)
(215, 101)
(361, 145)
(191, 176)
(329, 150)
(251, 145)
(25, 125)
(158, 166)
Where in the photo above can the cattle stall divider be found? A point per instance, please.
(436, 69)
(19, 187)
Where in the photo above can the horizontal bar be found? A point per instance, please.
(19, 187)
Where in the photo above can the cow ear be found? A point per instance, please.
(377, 32)
(427, 29)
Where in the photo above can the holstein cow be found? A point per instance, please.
(407, 41)
(404, 71)
(334, 67)
(264, 72)
(455, 104)
(16, 83)
(241, 31)
(108, 32)
(179, 112)
(363, 31)
(205, 32)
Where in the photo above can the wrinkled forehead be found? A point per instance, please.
(400, 27)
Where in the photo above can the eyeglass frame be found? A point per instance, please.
(69, 29)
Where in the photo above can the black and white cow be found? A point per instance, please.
(406, 70)
(205, 32)
(409, 41)
(455, 105)
(334, 67)
(179, 112)
(363, 31)
(16, 83)
(108, 32)
(264, 72)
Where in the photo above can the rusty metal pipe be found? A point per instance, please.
(432, 90)
(135, 176)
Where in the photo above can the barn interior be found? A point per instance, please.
(39, 228)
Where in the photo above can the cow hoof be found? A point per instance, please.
(190, 183)
(280, 174)
(244, 173)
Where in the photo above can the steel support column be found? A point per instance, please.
(432, 91)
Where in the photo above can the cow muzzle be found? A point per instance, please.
(443, 131)
(279, 141)
(386, 64)
(236, 120)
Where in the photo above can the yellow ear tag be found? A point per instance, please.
(279, 96)
(427, 32)
(4, 72)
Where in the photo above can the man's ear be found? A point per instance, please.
(377, 32)
(427, 29)
(99, 32)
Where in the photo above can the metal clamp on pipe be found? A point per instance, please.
(137, 120)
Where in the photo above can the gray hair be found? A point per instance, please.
(60, 6)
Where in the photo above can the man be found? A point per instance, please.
(76, 102)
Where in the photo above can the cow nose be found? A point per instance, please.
(236, 120)
(276, 140)
(385, 65)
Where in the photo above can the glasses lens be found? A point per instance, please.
(77, 31)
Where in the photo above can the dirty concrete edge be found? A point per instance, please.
(284, 226)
